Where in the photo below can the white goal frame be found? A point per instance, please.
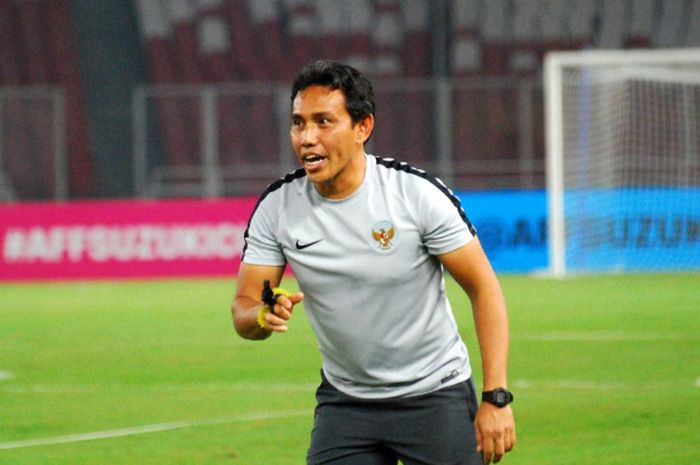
(554, 64)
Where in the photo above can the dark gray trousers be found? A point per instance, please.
(432, 429)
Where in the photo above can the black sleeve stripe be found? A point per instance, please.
(290, 177)
(403, 166)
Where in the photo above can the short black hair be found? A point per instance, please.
(358, 91)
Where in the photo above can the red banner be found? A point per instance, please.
(122, 239)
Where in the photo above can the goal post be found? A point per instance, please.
(622, 131)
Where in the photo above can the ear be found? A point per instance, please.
(363, 129)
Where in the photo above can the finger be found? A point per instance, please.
(479, 438)
(509, 440)
(282, 307)
(275, 323)
(296, 297)
(487, 457)
(288, 301)
(500, 448)
(488, 450)
(283, 311)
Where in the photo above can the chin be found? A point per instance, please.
(317, 176)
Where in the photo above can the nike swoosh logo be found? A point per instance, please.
(303, 246)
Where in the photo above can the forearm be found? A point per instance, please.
(495, 428)
(491, 321)
(245, 318)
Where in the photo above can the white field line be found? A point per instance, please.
(600, 336)
(584, 385)
(145, 429)
(89, 389)
(6, 375)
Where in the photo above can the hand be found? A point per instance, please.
(277, 319)
(495, 432)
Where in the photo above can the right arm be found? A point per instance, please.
(247, 302)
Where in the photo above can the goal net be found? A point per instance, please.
(623, 160)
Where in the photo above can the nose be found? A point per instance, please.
(308, 136)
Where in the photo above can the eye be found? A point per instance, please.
(297, 122)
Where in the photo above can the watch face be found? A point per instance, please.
(501, 398)
(498, 397)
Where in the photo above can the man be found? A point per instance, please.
(367, 239)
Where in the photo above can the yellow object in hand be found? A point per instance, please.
(269, 298)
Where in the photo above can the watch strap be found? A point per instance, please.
(500, 397)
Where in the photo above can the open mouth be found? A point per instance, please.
(313, 161)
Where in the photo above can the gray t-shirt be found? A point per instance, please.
(374, 290)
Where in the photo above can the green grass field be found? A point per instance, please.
(605, 370)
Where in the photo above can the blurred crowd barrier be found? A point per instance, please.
(233, 139)
(162, 98)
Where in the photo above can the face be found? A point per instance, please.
(327, 143)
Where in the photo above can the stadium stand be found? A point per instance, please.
(214, 42)
(612, 25)
(580, 25)
(641, 19)
(487, 45)
(357, 48)
(215, 45)
(417, 40)
(245, 45)
(266, 22)
(253, 109)
(9, 71)
(37, 147)
(331, 20)
(157, 32)
(38, 50)
(475, 109)
(496, 42)
(553, 26)
(271, 38)
(12, 147)
(387, 36)
(301, 24)
(667, 33)
(416, 63)
(182, 14)
(65, 69)
(467, 53)
(692, 37)
(386, 43)
(525, 34)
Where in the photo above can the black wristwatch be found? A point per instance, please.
(499, 397)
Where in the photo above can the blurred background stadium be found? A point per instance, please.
(166, 98)
(136, 134)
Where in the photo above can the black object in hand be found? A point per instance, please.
(268, 296)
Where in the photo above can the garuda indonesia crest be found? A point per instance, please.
(385, 235)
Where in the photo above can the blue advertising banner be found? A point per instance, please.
(651, 229)
(512, 227)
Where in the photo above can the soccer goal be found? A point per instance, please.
(623, 160)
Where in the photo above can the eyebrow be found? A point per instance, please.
(319, 114)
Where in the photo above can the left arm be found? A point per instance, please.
(469, 266)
